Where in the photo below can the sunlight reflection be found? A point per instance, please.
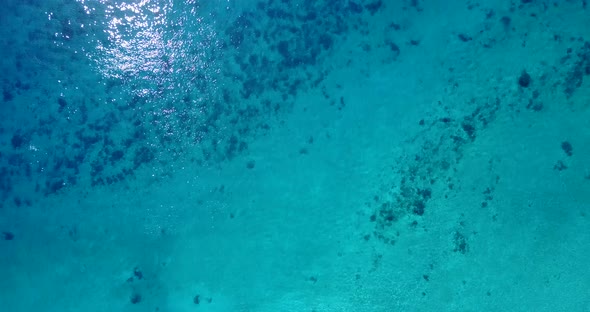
(135, 43)
(164, 52)
(145, 38)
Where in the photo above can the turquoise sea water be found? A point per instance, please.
(345, 155)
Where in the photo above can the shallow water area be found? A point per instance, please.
(359, 155)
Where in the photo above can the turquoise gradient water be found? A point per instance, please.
(358, 155)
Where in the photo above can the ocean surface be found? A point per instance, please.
(278, 155)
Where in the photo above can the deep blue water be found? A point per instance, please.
(362, 155)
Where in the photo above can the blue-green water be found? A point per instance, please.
(362, 155)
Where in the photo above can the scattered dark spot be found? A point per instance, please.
(197, 299)
(567, 148)
(16, 160)
(62, 103)
(505, 20)
(464, 37)
(236, 36)
(426, 277)
(137, 273)
(395, 26)
(73, 233)
(251, 164)
(419, 207)
(135, 298)
(573, 81)
(55, 186)
(524, 80)
(426, 193)
(283, 48)
(469, 130)
(374, 6)
(232, 147)
(535, 105)
(7, 95)
(143, 155)
(303, 151)
(313, 279)
(311, 16)
(117, 155)
(394, 48)
(17, 140)
(377, 260)
(253, 60)
(67, 30)
(387, 214)
(355, 7)
(460, 242)
(326, 41)
(8, 235)
(95, 168)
